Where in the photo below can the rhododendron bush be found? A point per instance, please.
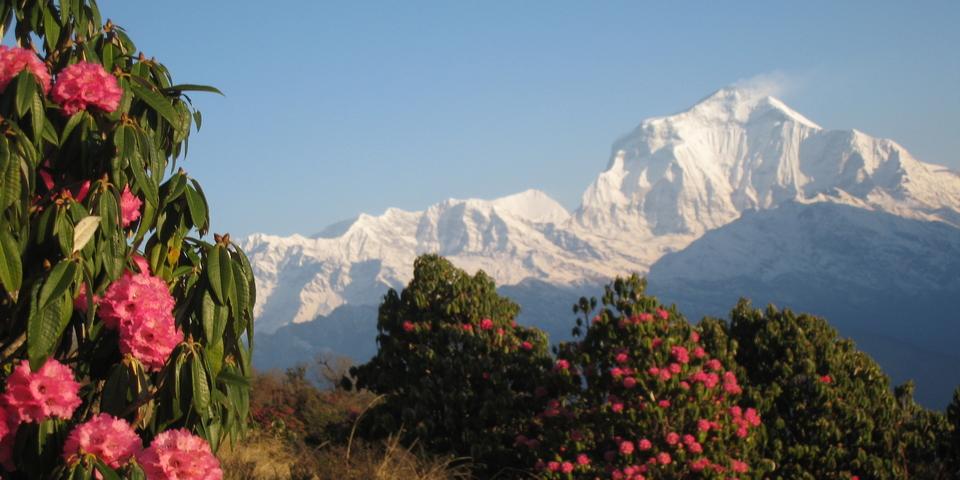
(644, 399)
(457, 373)
(125, 336)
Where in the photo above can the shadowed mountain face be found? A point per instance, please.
(889, 283)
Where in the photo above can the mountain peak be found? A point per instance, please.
(741, 104)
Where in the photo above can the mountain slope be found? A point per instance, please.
(890, 283)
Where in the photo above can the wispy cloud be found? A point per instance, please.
(773, 84)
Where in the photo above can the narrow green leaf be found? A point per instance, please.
(229, 287)
(157, 101)
(37, 117)
(51, 29)
(44, 328)
(201, 389)
(72, 123)
(64, 228)
(114, 399)
(11, 269)
(106, 472)
(214, 356)
(26, 89)
(198, 208)
(189, 87)
(61, 277)
(213, 273)
(83, 232)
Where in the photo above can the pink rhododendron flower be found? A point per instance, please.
(673, 438)
(151, 340)
(680, 354)
(141, 307)
(645, 444)
(108, 438)
(826, 379)
(622, 358)
(629, 382)
(703, 425)
(738, 466)
(179, 455)
(699, 352)
(129, 207)
(14, 60)
(626, 447)
(408, 326)
(526, 345)
(566, 467)
(486, 324)
(51, 391)
(730, 383)
(583, 459)
(562, 365)
(553, 466)
(85, 84)
(467, 327)
(664, 458)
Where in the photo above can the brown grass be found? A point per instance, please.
(269, 458)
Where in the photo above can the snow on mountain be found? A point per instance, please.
(667, 183)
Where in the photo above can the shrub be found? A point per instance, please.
(111, 315)
(643, 399)
(829, 409)
(457, 374)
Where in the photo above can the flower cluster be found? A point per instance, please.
(654, 401)
(14, 60)
(51, 391)
(129, 207)
(140, 306)
(110, 439)
(83, 85)
(179, 455)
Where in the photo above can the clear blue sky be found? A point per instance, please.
(338, 108)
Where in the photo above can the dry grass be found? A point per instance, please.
(268, 458)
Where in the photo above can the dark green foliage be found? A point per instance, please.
(61, 230)
(828, 407)
(456, 373)
(951, 440)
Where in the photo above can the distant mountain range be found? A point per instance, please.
(737, 196)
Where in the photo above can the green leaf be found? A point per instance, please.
(214, 355)
(64, 232)
(26, 90)
(213, 273)
(37, 117)
(11, 269)
(83, 232)
(61, 277)
(158, 102)
(9, 178)
(44, 328)
(201, 389)
(198, 208)
(106, 472)
(189, 87)
(230, 378)
(72, 123)
(51, 29)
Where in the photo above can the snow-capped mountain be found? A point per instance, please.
(667, 183)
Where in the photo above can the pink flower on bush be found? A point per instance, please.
(673, 438)
(408, 326)
(129, 207)
(629, 382)
(663, 314)
(738, 466)
(108, 438)
(14, 60)
(622, 357)
(526, 345)
(150, 341)
(179, 455)
(140, 306)
(583, 459)
(626, 447)
(562, 365)
(51, 391)
(826, 379)
(85, 84)
(664, 458)
(486, 324)
(566, 467)
(680, 354)
(645, 444)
